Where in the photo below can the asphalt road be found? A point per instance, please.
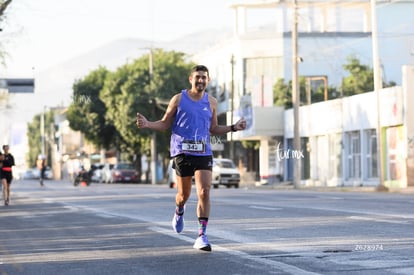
(126, 229)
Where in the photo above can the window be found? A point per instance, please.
(260, 76)
(354, 155)
(335, 149)
(371, 156)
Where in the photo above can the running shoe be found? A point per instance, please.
(202, 243)
(178, 223)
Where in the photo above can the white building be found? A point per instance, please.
(329, 31)
(341, 138)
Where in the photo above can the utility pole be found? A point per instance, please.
(42, 132)
(377, 88)
(154, 135)
(232, 107)
(295, 96)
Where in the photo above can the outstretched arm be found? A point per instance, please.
(164, 123)
(216, 129)
(221, 129)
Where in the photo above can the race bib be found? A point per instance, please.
(194, 147)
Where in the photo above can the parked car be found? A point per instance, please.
(124, 172)
(48, 173)
(225, 173)
(30, 174)
(106, 173)
(96, 172)
(34, 174)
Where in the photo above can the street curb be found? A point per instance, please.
(376, 189)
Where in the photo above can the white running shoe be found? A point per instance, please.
(202, 243)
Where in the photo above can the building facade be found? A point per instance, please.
(246, 67)
(340, 139)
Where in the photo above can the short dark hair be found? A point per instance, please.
(201, 68)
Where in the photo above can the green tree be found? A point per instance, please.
(3, 7)
(35, 138)
(131, 89)
(120, 87)
(360, 79)
(282, 93)
(87, 111)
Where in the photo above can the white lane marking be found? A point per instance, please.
(265, 208)
(377, 220)
(161, 228)
(271, 263)
(356, 212)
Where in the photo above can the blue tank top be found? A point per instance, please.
(191, 127)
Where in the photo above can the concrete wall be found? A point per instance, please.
(408, 86)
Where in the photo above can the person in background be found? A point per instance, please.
(1, 164)
(7, 174)
(192, 114)
(41, 165)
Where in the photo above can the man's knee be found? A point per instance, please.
(204, 193)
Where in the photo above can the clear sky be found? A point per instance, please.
(38, 34)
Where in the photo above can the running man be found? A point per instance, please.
(192, 114)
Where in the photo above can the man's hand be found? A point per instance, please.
(142, 122)
(240, 125)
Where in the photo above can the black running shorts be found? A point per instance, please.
(7, 175)
(186, 165)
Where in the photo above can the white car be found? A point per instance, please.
(97, 172)
(48, 173)
(31, 174)
(225, 173)
(34, 173)
(106, 173)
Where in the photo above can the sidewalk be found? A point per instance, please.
(289, 186)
